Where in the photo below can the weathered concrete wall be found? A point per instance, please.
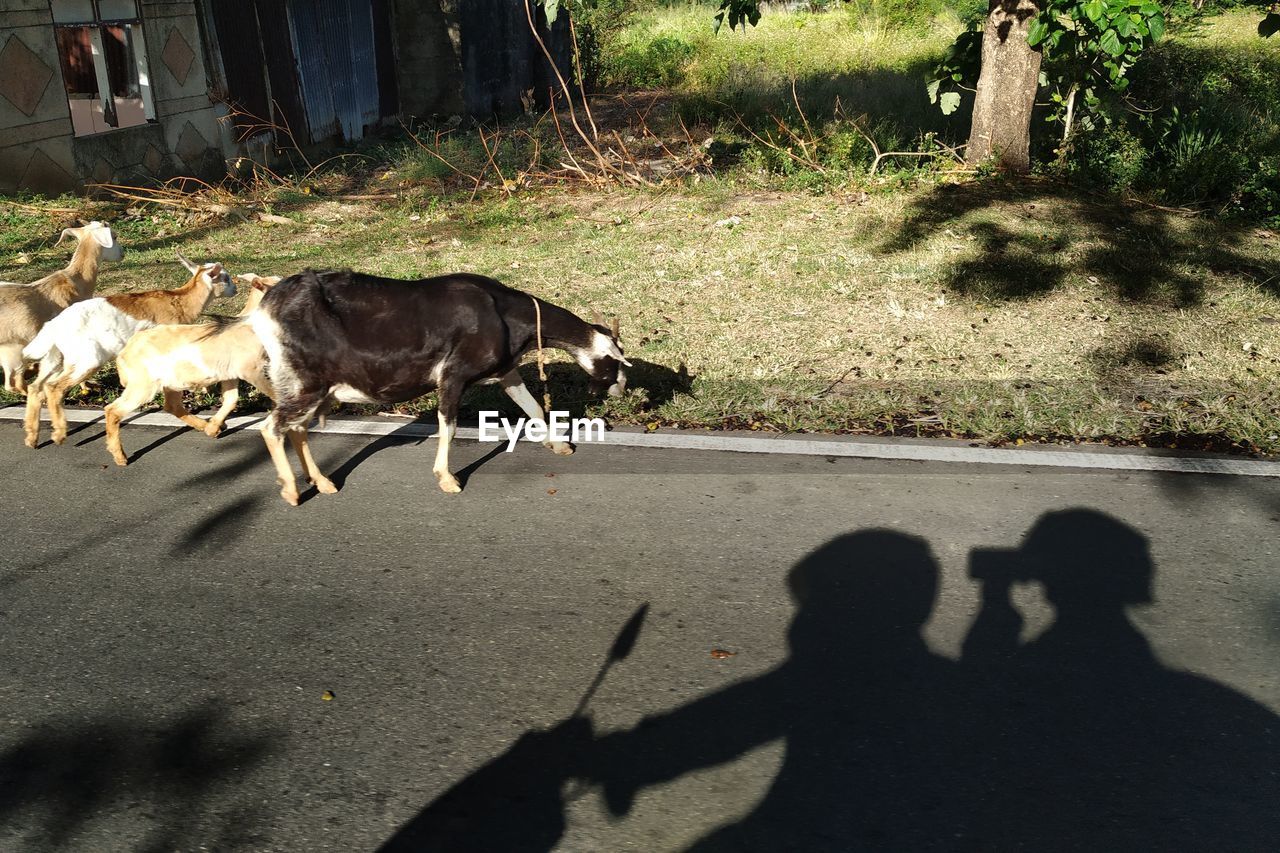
(35, 121)
(473, 56)
(181, 85)
(428, 57)
(502, 64)
(38, 150)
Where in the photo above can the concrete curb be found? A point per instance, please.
(923, 450)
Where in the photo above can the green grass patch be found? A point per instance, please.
(994, 312)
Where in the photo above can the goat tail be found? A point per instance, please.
(41, 345)
(218, 324)
(44, 350)
(50, 365)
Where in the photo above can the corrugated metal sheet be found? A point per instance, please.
(282, 68)
(313, 70)
(337, 65)
(364, 66)
(240, 45)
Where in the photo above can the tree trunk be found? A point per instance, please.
(1006, 88)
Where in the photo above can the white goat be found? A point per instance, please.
(73, 345)
(25, 308)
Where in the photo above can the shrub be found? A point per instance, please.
(650, 64)
(1108, 157)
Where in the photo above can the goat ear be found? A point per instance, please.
(74, 232)
(596, 317)
(259, 284)
(616, 334)
(616, 352)
(191, 268)
(106, 239)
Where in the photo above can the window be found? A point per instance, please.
(104, 64)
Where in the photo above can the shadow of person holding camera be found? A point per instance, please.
(1081, 735)
(861, 703)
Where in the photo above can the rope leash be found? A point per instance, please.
(542, 359)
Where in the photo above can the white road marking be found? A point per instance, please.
(941, 451)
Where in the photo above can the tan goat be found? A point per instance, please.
(177, 358)
(25, 308)
(73, 345)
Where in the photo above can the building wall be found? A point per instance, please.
(38, 150)
(428, 57)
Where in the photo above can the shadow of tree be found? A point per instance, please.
(56, 783)
(1140, 253)
(1077, 739)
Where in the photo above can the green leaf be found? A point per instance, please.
(933, 91)
(1123, 26)
(1093, 10)
(1037, 31)
(1155, 24)
(950, 102)
(1270, 25)
(553, 10)
(1110, 42)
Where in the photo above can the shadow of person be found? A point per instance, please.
(1081, 737)
(861, 703)
(516, 801)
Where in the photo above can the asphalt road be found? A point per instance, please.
(168, 632)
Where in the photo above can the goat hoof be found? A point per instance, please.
(325, 486)
(561, 449)
(450, 485)
(291, 498)
(212, 430)
(58, 439)
(121, 461)
(31, 441)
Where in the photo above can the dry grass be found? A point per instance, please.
(997, 313)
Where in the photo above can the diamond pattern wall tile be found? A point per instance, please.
(102, 171)
(153, 160)
(191, 146)
(23, 75)
(177, 56)
(44, 175)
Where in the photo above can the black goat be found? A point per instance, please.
(348, 337)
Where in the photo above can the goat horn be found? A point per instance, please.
(616, 334)
(191, 268)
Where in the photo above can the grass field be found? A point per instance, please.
(998, 312)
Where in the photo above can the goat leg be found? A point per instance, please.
(57, 415)
(515, 388)
(114, 414)
(298, 438)
(449, 397)
(230, 396)
(31, 420)
(284, 471)
(173, 405)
